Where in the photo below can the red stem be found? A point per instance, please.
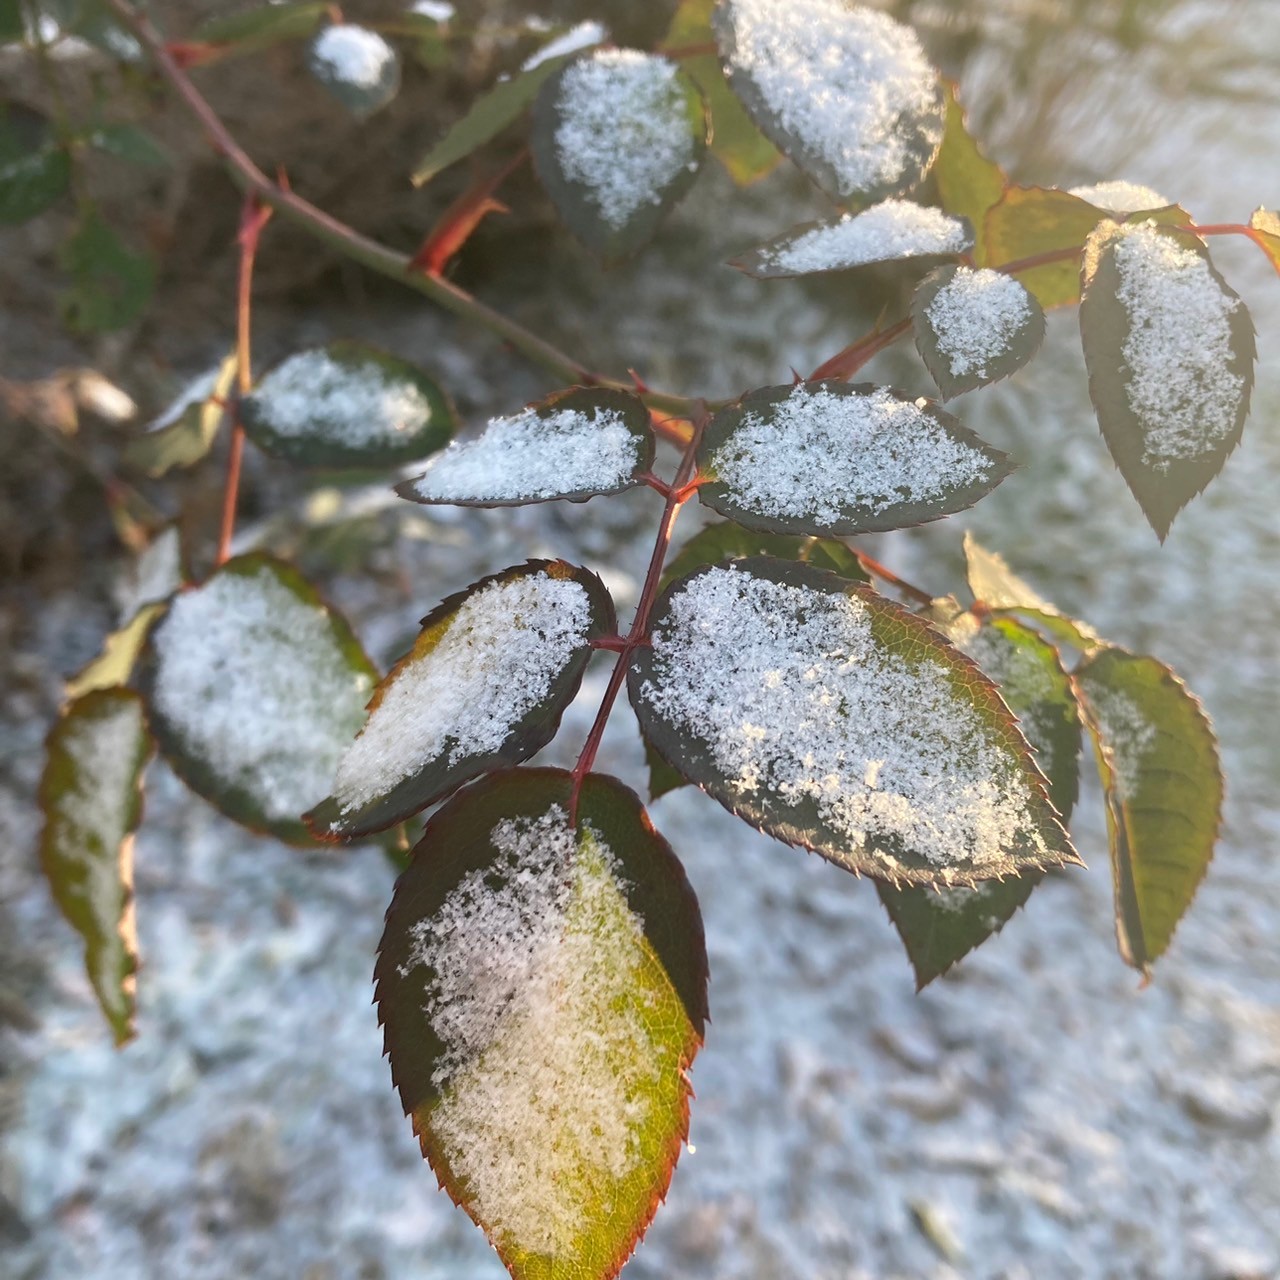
(846, 363)
(877, 570)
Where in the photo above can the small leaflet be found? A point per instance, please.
(845, 91)
(1265, 224)
(484, 686)
(1170, 351)
(968, 183)
(835, 458)
(832, 718)
(973, 327)
(184, 432)
(91, 795)
(574, 445)
(254, 690)
(886, 232)
(543, 991)
(357, 66)
(347, 405)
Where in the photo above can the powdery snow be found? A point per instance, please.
(1181, 386)
(531, 456)
(354, 404)
(975, 317)
(890, 229)
(352, 55)
(537, 993)
(256, 687)
(817, 452)
(1121, 197)
(583, 36)
(623, 130)
(796, 697)
(839, 79)
(1125, 731)
(494, 663)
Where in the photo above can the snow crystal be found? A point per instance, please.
(358, 405)
(99, 792)
(256, 687)
(623, 130)
(1121, 197)
(583, 36)
(841, 80)
(817, 452)
(1125, 731)
(536, 993)
(494, 663)
(353, 55)
(975, 317)
(890, 229)
(1181, 386)
(532, 456)
(794, 696)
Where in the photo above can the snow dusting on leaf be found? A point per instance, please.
(974, 318)
(1121, 197)
(583, 36)
(352, 55)
(1127, 734)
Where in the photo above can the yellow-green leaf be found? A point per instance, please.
(968, 183)
(120, 653)
(1266, 227)
(1028, 222)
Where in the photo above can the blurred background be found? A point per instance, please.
(1033, 1115)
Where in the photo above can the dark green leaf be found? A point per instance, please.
(574, 445)
(129, 142)
(543, 994)
(483, 688)
(1170, 351)
(662, 777)
(12, 27)
(832, 718)
(968, 183)
(1266, 225)
(34, 169)
(1029, 222)
(188, 429)
(357, 66)
(347, 405)
(849, 97)
(617, 140)
(254, 689)
(120, 652)
(263, 25)
(91, 795)
(1158, 759)
(840, 458)
(110, 283)
(974, 327)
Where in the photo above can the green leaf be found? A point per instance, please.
(974, 327)
(347, 405)
(120, 652)
(662, 777)
(840, 458)
(543, 994)
(573, 445)
(1158, 759)
(12, 28)
(129, 142)
(1170, 351)
(91, 796)
(849, 96)
(968, 183)
(488, 116)
(832, 718)
(357, 66)
(1030, 221)
(255, 688)
(110, 283)
(736, 143)
(483, 688)
(184, 433)
(997, 588)
(1266, 224)
(263, 25)
(618, 138)
(34, 169)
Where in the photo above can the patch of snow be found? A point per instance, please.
(583, 36)
(975, 317)
(888, 230)
(818, 452)
(841, 79)
(1125, 731)
(352, 55)
(436, 10)
(528, 455)
(537, 992)
(623, 130)
(494, 663)
(103, 750)
(1119, 196)
(256, 687)
(795, 697)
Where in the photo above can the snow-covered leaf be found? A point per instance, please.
(34, 169)
(845, 91)
(543, 993)
(618, 137)
(91, 796)
(840, 458)
(263, 24)
(1266, 225)
(185, 432)
(347, 405)
(1119, 197)
(120, 652)
(973, 327)
(890, 231)
(968, 183)
(357, 66)
(832, 718)
(1170, 350)
(727, 540)
(255, 688)
(1158, 759)
(574, 445)
(483, 687)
